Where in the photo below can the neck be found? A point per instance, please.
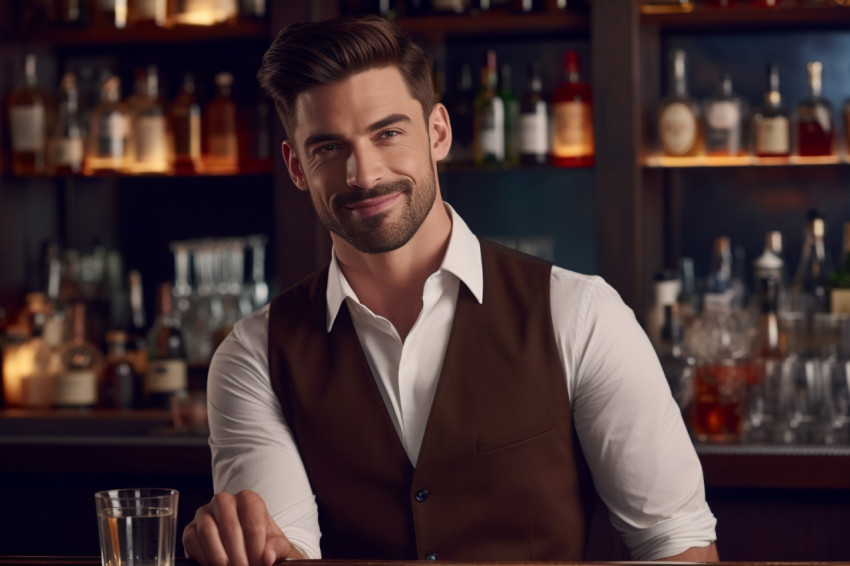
(391, 284)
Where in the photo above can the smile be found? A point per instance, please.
(373, 206)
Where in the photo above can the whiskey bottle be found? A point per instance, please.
(679, 127)
(137, 345)
(511, 105)
(677, 365)
(110, 14)
(77, 382)
(27, 108)
(147, 13)
(771, 125)
(108, 145)
(533, 121)
(120, 386)
(460, 103)
(66, 143)
(149, 129)
(167, 371)
(221, 152)
(489, 128)
(186, 129)
(572, 142)
(723, 122)
(815, 123)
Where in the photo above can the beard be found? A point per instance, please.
(377, 233)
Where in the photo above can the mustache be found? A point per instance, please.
(384, 189)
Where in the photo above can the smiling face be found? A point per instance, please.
(365, 153)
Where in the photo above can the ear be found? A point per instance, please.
(440, 130)
(293, 164)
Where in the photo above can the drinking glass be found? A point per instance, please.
(137, 526)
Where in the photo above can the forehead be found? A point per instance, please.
(360, 99)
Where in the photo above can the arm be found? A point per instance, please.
(643, 463)
(696, 554)
(261, 487)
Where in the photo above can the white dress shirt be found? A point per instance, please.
(643, 464)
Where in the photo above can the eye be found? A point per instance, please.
(389, 134)
(326, 148)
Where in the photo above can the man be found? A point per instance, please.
(427, 395)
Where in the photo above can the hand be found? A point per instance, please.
(236, 530)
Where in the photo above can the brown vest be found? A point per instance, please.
(500, 474)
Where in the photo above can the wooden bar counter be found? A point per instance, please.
(787, 504)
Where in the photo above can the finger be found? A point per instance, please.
(229, 529)
(192, 547)
(253, 516)
(208, 542)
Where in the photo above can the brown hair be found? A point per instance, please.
(308, 54)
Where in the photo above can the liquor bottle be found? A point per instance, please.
(723, 121)
(255, 141)
(766, 380)
(120, 386)
(73, 13)
(677, 365)
(765, 3)
(460, 103)
(66, 143)
(528, 6)
(450, 6)
(147, 13)
(572, 143)
(721, 3)
(719, 280)
(666, 6)
(489, 128)
(221, 152)
(137, 345)
(533, 121)
(815, 123)
(186, 129)
(77, 383)
(511, 105)
(839, 280)
(252, 9)
(679, 127)
(811, 280)
(108, 145)
(27, 108)
(771, 125)
(110, 14)
(167, 371)
(770, 265)
(666, 287)
(149, 129)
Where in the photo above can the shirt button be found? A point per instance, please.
(422, 496)
(430, 556)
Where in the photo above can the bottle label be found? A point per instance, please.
(533, 133)
(27, 125)
(572, 129)
(113, 137)
(166, 376)
(678, 128)
(840, 301)
(151, 140)
(223, 145)
(772, 136)
(493, 130)
(68, 152)
(75, 388)
(723, 115)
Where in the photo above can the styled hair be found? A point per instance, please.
(308, 54)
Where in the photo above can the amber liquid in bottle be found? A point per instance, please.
(815, 124)
(572, 143)
(27, 111)
(221, 152)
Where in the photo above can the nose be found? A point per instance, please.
(363, 167)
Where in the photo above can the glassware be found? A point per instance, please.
(120, 387)
(835, 368)
(839, 280)
(27, 108)
(109, 143)
(809, 287)
(802, 391)
(511, 105)
(771, 125)
(724, 113)
(572, 142)
(66, 143)
(167, 368)
(82, 363)
(679, 126)
(815, 122)
(149, 129)
(764, 388)
(533, 121)
(489, 128)
(677, 365)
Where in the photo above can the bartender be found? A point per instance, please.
(427, 394)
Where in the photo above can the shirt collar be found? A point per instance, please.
(463, 260)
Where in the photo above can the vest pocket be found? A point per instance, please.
(522, 435)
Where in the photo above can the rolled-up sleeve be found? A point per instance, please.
(252, 447)
(644, 466)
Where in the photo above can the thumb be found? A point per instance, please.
(278, 547)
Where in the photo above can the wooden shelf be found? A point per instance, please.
(439, 28)
(245, 30)
(745, 17)
(748, 161)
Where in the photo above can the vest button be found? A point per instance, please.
(430, 556)
(422, 496)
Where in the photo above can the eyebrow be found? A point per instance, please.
(317, 139)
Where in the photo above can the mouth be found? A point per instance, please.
(372, 206)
